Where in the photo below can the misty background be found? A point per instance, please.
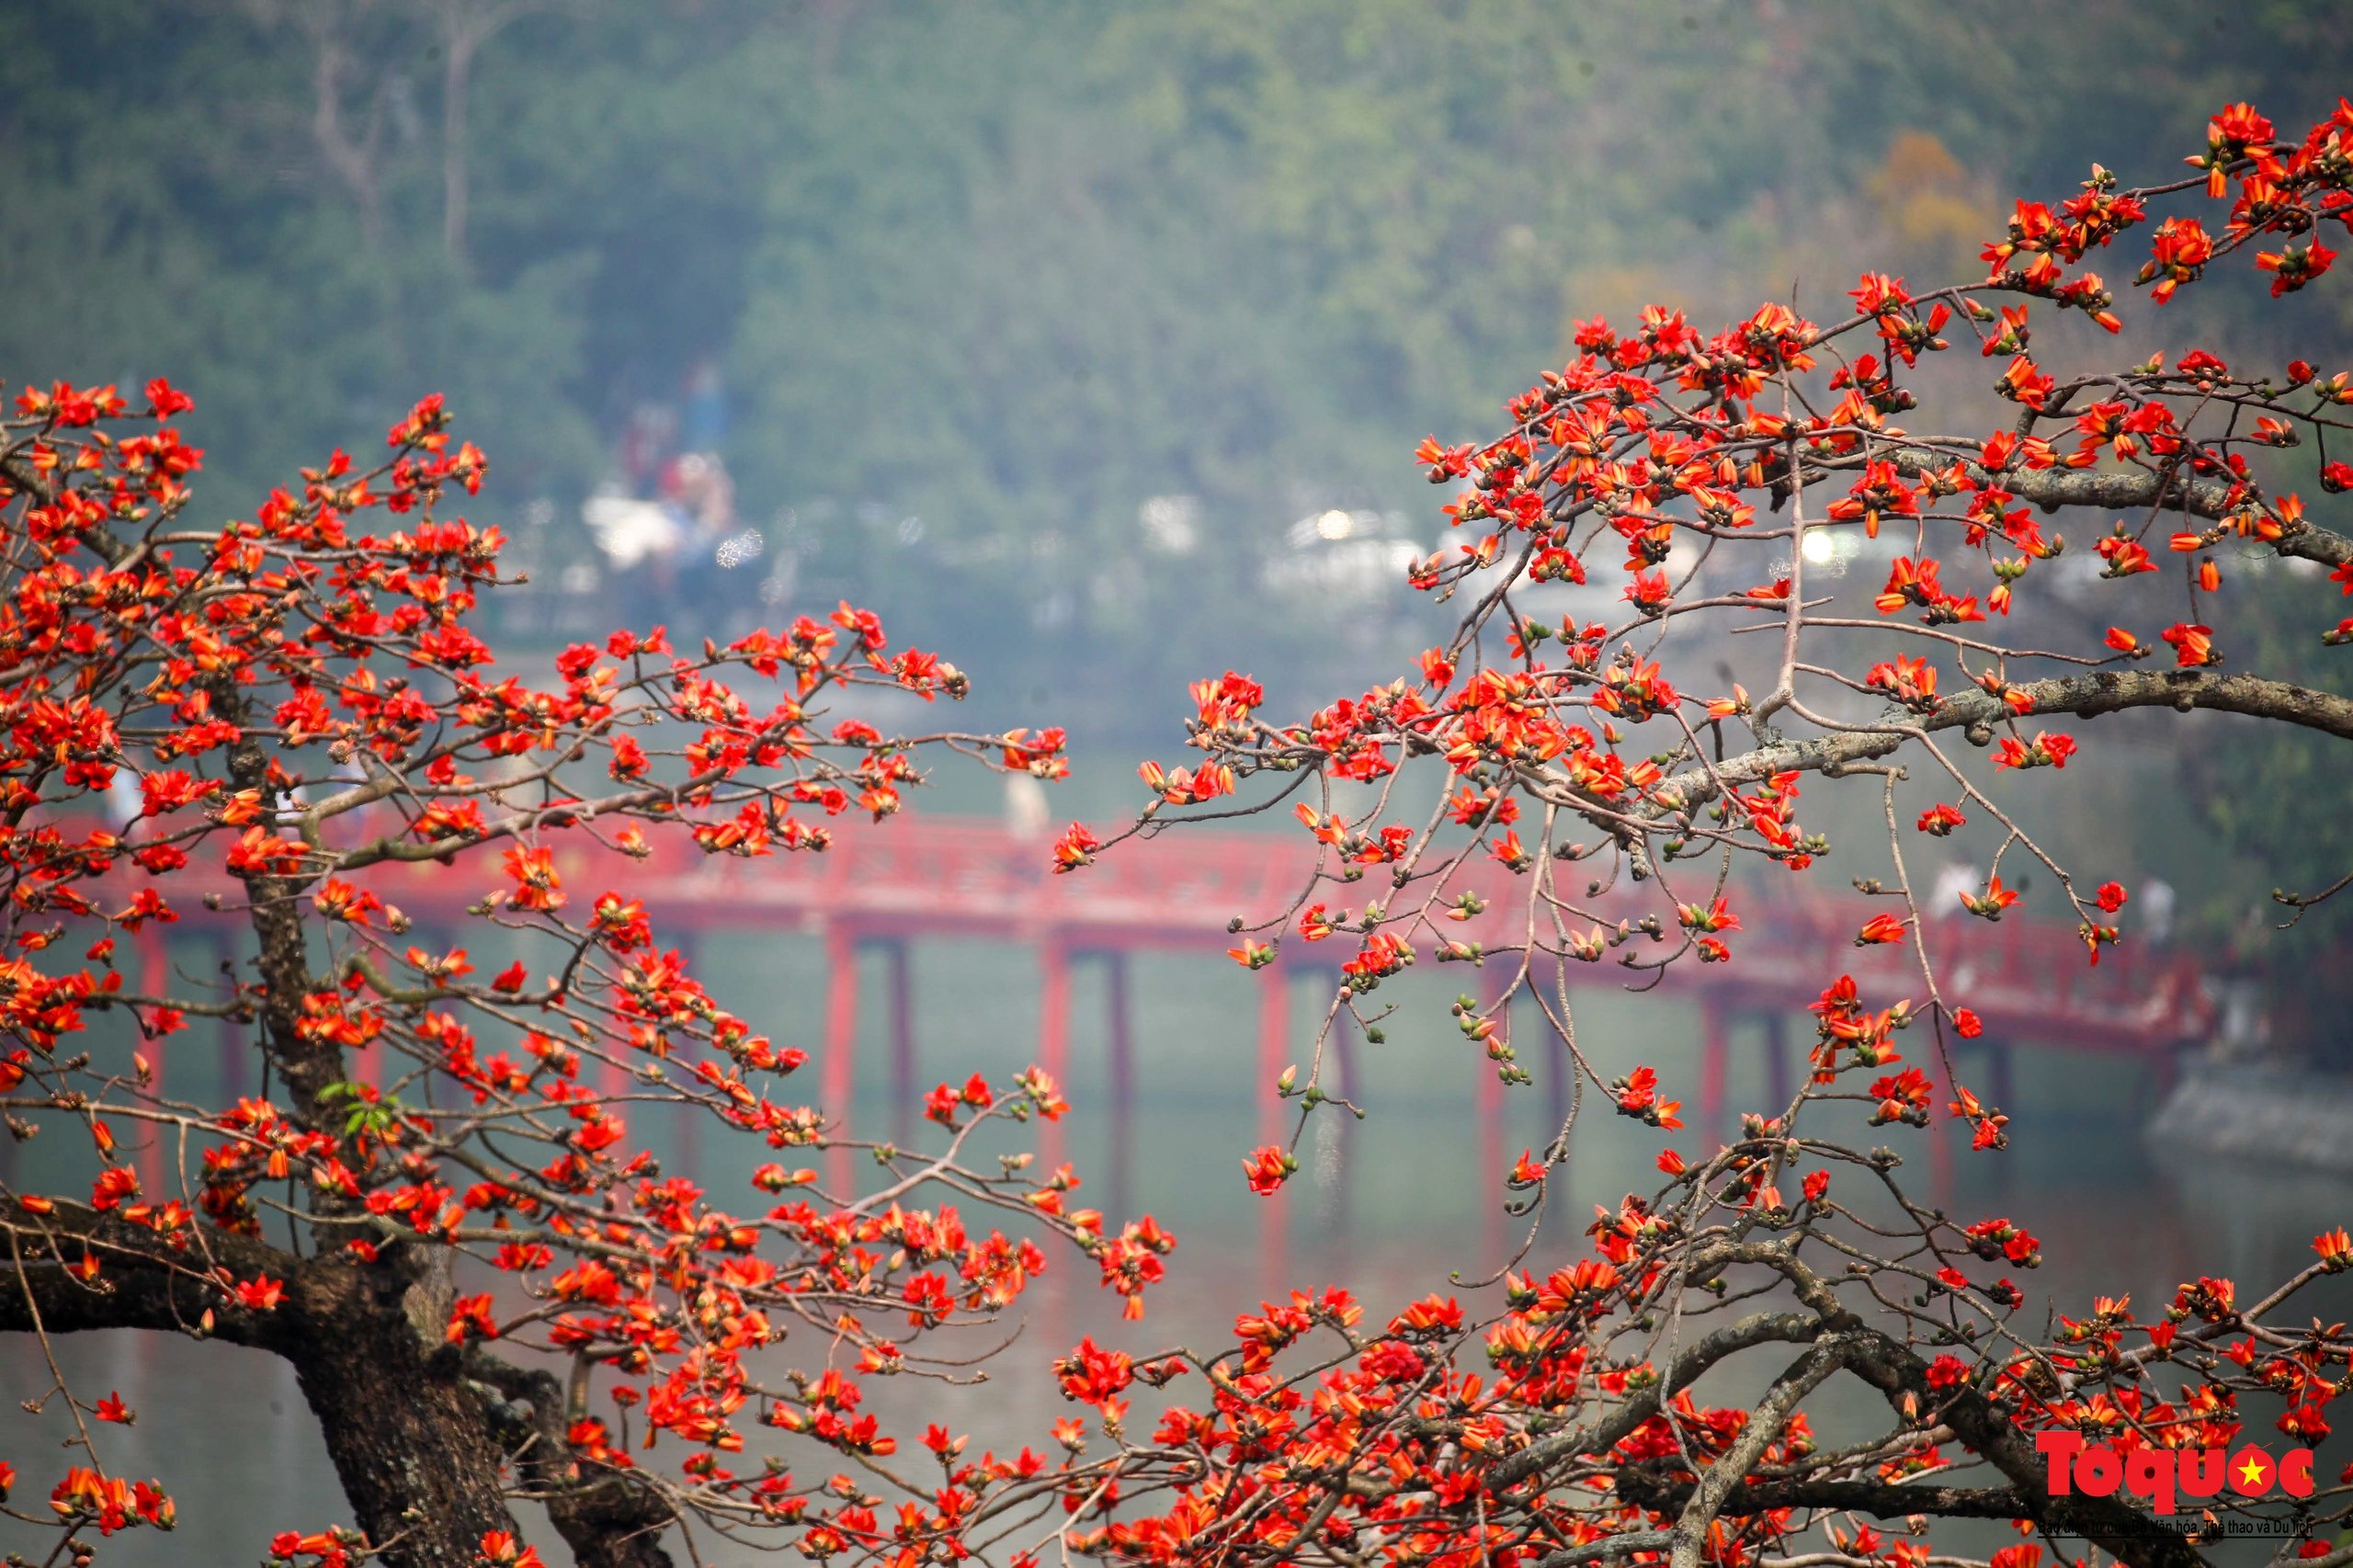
(1088, 343)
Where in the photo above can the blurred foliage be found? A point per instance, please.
(2277, 805)
(984, 277)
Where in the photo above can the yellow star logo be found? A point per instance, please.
(2253, 1471)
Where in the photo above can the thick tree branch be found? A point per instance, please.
(1983, 1427)
(610, 1518)
(2084, 696)
(1765, 1422)
(141, 1282)
(1648, 1485)
(2109, 1523)
(2129, 490)
(1764, 1328)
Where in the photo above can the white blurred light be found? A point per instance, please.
(1171, 523)
(629, 531)
(1820, 547)
(1334, 524)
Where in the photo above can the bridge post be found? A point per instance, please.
(437, 937)
(154, 980)
(1123, 1085)
(1560, 1074)
(902, 1039)
(1054, 1039)
(1715, 1067)
(838, 1081)
(613, 1074)
(1939, 1132)
(1997, 1073)
(1274, 1044)
(1778, 1087)
(690, 1114)
(1350, 1065)
(1560, 1068)
(229, 1039)
(1058, 1291)
(1495, 984)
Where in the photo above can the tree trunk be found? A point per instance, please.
(417, 1461)
(611, 1528)
(610, 1520)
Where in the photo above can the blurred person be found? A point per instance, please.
(1028, 813)
(1956, 881)
(125, 804)
(2157, 911)
(640, 542)
(703, 423)
(704, 503)
(707, 492)
(645, 444)
(2244, 1021)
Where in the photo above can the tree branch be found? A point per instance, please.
(1764, 1328)
(1765, 1422)
(1647, 1485)
(142, 1283)
(2084, 696)
(2113, 1526)
(1985, 1429)
(2127, 490)
(610, 1519)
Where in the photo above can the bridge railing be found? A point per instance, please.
(921, 875)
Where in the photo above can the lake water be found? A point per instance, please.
(1389, 1207)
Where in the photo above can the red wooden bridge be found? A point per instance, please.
(893, 884)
